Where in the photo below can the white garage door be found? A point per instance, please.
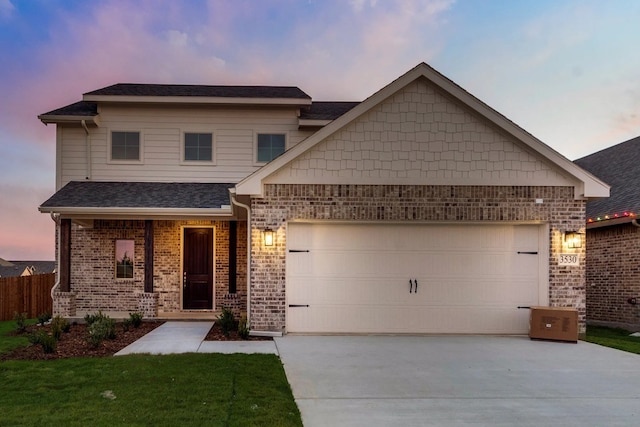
(344, 278)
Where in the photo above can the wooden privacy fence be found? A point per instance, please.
(26, 294)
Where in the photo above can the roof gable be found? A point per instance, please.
(586, 185)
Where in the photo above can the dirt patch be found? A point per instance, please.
(75, 344)
(216, 334)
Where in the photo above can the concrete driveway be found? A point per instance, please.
(458, 381)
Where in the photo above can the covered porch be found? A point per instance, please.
(166, 250)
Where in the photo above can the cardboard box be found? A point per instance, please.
(554, 323)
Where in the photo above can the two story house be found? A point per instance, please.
(418, 210)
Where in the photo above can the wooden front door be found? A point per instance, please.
(197, 274)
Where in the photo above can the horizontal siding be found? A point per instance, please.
(161, 129)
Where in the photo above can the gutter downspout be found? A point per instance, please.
(635, 222)
(248, 209)
(88, 149)
(56, 219)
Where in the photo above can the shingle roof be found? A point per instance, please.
(81, 108)
(16, 268)
(618, 166)
(159, 195)
(134, 89)
(326, 110)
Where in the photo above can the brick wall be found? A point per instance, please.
(92, 267)
(613, 276)
(283, 203)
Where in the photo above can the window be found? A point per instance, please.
(198, 147)
(270, 146)
(125, 145)
(124, 259)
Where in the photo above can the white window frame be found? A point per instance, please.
(255, 144)
(111, 160)
(198, 162)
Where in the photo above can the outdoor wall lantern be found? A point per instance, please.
(572, 239)
(268, 237)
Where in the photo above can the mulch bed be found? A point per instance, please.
(216, 334)
(75, 344)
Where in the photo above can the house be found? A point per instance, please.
(418, 210)
(25, 268)
(613, 237)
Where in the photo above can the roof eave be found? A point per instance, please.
(62, 119)
(312, 123)
(97, 212)
(213, 100)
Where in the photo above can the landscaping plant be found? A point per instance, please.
(21, 322)
(44, 318)
(58, 326)
(243, 328)
(227, 321)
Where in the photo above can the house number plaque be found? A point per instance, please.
(569, 259)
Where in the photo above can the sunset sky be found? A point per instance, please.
(566, 71)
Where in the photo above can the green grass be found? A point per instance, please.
(9, 342)
(614, 338)
(143, 390)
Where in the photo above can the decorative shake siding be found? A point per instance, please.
(93, 283)
(420, 135)
(408, 203)
(611, 278)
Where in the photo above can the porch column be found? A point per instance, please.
(148, 256)
(65, 255)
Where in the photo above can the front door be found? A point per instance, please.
(197, 274)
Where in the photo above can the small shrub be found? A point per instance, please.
(21, 322)
(102, 328)
(243, 328)
(136, 319)
(92, 318)
(59, 325)
(46, 341)
(227, 321)
(126, 325)
(44, 318)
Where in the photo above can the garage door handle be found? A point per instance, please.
(410, 285)
(298, 305)
(416, 291)
(528, 253)
(298, 250)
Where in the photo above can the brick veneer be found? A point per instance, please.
(282, 203)
(613, 276)
(93, 282)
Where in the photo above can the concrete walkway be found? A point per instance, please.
(188, 337)
(475, 381)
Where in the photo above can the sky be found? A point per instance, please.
(566, 71)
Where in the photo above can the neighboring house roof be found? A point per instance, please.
(25, 268)
(619, 166)
(587, 185)
(152, 198)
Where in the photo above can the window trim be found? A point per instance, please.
(255, 145)
(214, 156)
(111, 160)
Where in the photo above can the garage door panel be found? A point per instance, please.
(355, 278)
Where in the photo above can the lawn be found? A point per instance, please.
(141, 390)
(8, 343)
(612, 337)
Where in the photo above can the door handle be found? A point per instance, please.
(416, 291)
(410, 285)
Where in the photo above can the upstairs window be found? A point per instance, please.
(198, 147)
(125, 145)
(270, 146)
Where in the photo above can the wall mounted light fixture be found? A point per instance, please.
(268, 236)
(572, 239)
